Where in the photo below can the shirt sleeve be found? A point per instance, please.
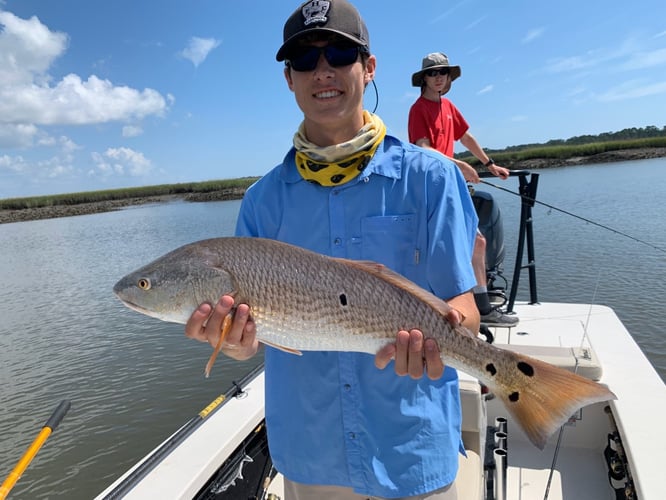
(417, 125)
(452, 224)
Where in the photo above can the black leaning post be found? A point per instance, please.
(526, 233)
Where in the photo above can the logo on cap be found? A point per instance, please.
(315, 12)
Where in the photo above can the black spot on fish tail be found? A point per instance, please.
(490, 368)
(526, 368)
(343, 299)
(514, 397)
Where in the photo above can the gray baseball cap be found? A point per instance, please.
(436, 60)
(328, 16)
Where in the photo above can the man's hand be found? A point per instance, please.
(497, 171)
(414, 355)
(205, 325)
(469, 172)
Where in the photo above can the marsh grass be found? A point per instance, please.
(127, 193)
(503, 157)
(563, 152)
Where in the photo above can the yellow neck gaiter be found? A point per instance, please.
(340, 163)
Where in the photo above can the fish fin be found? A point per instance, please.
(396, 279)
(283, 348)
(543, 397)
(226, 326)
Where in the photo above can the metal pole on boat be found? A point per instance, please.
(51, 424)
(501, 424)
(499, 455)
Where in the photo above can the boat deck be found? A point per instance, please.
(617, 361)
(561, 333)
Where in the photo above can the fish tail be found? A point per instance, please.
(543, 397)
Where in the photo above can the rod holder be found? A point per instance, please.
(501, 424)
(500, 458)
(501, 440)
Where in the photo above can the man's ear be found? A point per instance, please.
(369, 72)
(287, 76)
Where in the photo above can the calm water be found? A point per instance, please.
(133, 380)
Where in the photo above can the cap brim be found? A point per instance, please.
(289, 44)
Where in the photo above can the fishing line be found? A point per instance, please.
(577, 217)
(561, 433)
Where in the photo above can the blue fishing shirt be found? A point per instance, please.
(333, 418)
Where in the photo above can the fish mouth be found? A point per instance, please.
(153, 314)
(137, 308)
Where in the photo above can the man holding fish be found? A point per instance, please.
(339, 425)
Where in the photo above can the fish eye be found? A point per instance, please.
(144, 283)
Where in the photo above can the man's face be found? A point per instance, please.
(438, 81)
(330, 94)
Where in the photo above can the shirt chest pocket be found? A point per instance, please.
(390, 240)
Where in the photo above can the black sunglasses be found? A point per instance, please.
(436, 72)
(307, 58)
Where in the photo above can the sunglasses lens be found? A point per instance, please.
(337, 56)
(436, 72)
(306, 59)
(341, 56)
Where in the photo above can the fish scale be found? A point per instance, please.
(304, 301)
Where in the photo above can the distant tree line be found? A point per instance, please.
(627, 134)
(579, 146)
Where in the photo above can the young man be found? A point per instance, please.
(435, 123)
(341, 426)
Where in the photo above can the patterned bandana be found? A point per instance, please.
(340, 163)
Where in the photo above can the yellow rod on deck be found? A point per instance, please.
(30, 453)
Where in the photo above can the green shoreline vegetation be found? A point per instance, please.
(628, 144)
(191, 191)
(510, 156)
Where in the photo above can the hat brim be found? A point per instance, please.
(289, 45)
(417, 78)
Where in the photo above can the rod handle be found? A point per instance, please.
(59, 413)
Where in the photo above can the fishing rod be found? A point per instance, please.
(180, 435)
(552, 207)
(51, 424)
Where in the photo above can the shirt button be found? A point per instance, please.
(337, 241)
(347, 387)
(352, 435)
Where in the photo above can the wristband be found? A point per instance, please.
(489, 162)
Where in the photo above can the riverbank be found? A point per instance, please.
(605, 157)
(54, 211)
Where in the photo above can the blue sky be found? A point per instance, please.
(100, 95)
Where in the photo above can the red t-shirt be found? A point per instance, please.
(439, 122)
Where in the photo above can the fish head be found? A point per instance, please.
(171, 287)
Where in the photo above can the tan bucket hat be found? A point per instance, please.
(436, 60)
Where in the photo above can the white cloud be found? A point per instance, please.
(198, 49)
(12, 163)
(132, 131)
(486, 89)
(632, 90)
(121, 161)
(533, 34)
(29, 97)
(645, 59)
(76, 102)
(67, 145)
(17, 135)
(27, 48)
